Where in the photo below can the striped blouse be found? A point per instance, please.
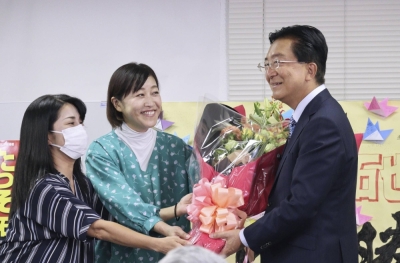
(52, 225)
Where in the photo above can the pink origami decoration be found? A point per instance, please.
(360, 218)
(380, 108)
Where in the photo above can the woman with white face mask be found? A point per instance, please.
(55, 213)
(140, 174)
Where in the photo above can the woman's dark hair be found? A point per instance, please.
(34, 159)
(309, 45)
(126, 79)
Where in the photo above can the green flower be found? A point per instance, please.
(260, 137)
(231, 145)
(247, 134)
(269, 147)
(219, 154)
(270, 113)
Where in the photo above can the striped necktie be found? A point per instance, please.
(292, 125)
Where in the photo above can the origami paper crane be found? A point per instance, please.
(185, 138)
(162, 124)
(359, 138)
(240, 109)
(287, 114)
(360, 218)
(380, 108)
(374, 134)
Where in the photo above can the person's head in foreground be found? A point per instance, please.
(192, 254)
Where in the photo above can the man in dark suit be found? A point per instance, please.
(310, 217)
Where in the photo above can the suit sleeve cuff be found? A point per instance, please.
(242, 238)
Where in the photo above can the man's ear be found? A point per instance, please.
(311, 70)
(116, 103)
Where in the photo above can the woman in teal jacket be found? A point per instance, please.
(140, 174)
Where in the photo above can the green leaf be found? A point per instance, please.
(257, 109)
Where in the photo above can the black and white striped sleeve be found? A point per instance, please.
(52, 205)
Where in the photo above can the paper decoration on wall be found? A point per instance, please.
(185, 138)
(380, 108)
(162, 124)
(240, 109)
(359, 137)
(374, 134)
(360, 218)
(287, 114)
(166, 124)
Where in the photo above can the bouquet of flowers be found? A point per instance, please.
(238, 153)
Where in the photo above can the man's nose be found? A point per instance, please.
(269, 72)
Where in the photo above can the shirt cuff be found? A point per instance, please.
(150, 223)
(242, 238)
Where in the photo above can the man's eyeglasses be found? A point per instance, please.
(263, 67)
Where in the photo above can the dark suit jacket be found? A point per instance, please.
(311, 212)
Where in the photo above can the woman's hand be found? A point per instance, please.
(176, 231)
(121, 235)
(181, 208)
(178, 211)
(166, 230)
(168, 243)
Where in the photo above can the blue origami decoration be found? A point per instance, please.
(374, 134)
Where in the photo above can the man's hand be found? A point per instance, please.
(233, 243)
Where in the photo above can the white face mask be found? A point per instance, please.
(76, 140)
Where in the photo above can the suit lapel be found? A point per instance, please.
(310, 109)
